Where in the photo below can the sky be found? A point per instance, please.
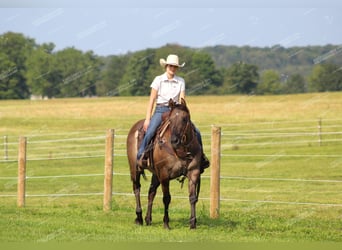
(126, 26)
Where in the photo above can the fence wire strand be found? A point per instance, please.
(90, 144)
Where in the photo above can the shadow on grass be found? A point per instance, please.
(204, 222)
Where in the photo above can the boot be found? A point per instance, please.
(142, 161)
(204, 163)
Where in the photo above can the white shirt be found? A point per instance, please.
(168, 89)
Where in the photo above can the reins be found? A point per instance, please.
(183, 138)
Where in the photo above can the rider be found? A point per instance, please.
(163, 88)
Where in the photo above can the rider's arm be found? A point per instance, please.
(182, 95)
(153, 97)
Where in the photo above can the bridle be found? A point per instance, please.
(186, 136)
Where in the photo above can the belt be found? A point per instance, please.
(162, 105)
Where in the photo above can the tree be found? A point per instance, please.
(41, 71)
(94, 64)
(7, 81)
(111, 75)
(325, 77)
(294, 84)
(15, 49)
(75, 73)
(135, 80)
(269, 83)
(241, 78)
(205, 77)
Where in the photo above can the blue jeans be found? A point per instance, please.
(155, 122)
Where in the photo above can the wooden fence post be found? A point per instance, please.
(108, 171)
(215, 172)
(21, 172)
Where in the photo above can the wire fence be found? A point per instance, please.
(263, 134)
(240, 142)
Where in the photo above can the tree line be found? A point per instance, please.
(29, 69)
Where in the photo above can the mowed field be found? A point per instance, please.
(281, 171)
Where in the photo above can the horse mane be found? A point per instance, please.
(181, 107)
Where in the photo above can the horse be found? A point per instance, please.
(175, 152)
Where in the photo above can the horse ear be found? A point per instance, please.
(171, 103)
(183, 102)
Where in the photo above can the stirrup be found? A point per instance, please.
(142, 161)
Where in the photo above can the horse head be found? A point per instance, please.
(179, 118)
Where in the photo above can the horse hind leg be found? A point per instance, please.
(136, 173)
(151, 195)
(138, 209)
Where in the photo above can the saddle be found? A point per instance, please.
(158, 134)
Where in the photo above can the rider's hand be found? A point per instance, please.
(146, 124)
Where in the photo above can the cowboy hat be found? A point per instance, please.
(171, 60)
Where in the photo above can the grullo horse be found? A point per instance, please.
(174, 152)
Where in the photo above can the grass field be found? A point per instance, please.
(281, 175)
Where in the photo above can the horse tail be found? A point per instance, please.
(132, 149)
(136, 146)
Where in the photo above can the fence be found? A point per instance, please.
(108, 171)
(265, 141)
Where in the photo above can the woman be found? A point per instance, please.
(163, 88)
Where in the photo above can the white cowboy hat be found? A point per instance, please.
(171, 60)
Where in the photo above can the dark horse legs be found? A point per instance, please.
(136, 189)
(151, 194)
(166, 199)
(194, 189)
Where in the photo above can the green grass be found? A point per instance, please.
(241, 224)
(278, 184)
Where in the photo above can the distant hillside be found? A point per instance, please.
(31, 69)
(293, 60)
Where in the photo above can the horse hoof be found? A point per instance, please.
(167, 227)
(139, 222)
(193, 223)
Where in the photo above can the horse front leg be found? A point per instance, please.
(151, 194)
(194, 187)
(166, 201)
(136, 190)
